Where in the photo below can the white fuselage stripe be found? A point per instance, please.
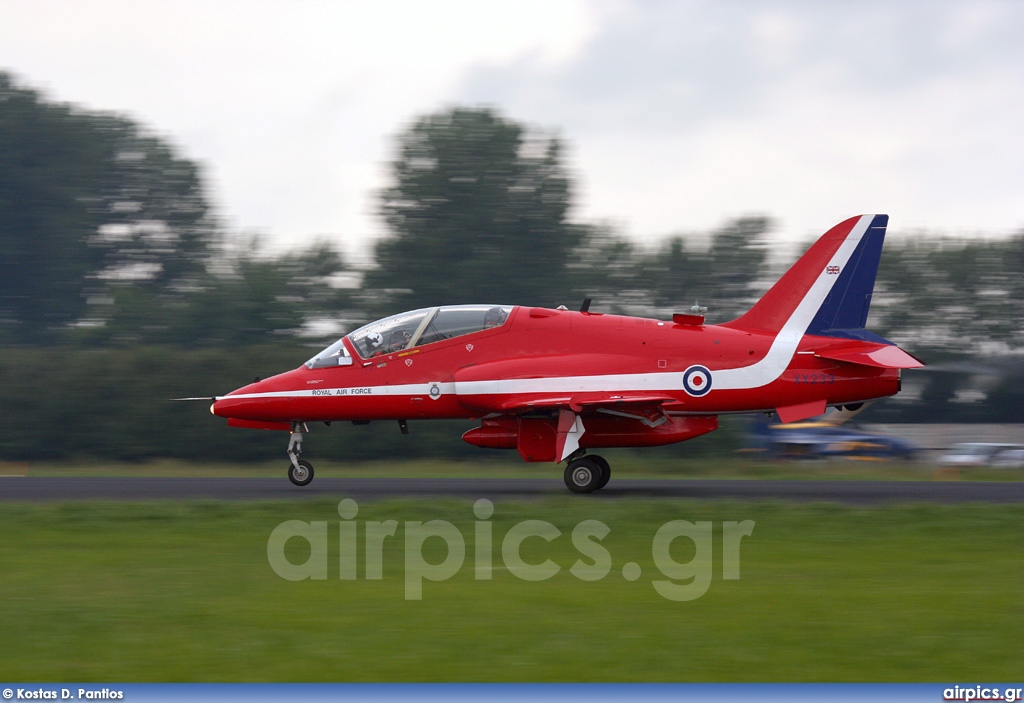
(410, 389)
(756, 375)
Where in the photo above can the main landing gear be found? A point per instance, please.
(300, 471)
(586, 474)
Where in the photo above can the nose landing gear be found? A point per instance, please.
(300, 472)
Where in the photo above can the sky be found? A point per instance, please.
(677, 115)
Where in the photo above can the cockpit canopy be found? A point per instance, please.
(412, 329)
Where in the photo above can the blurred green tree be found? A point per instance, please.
(952, 298)
(477, 212)
(721, 269)
(256, 299)
(723, 275)
(88, 200)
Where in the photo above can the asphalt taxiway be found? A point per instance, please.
(59, 489)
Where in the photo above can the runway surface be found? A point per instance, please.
(50, 489)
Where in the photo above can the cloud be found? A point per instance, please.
(682, 114)
(678, 114)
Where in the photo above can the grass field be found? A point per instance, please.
(166, 591)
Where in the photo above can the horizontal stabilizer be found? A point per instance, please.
(883, 356)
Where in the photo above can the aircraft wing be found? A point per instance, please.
(646, 407)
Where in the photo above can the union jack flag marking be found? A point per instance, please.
(832, 270)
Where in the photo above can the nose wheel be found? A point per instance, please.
(587, 474)
(300, 471)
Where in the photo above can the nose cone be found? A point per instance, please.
(268, 400)
(222, 406)
(240, 403)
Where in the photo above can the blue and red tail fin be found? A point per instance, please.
(845, 310)
(827, 293)
(829, 287)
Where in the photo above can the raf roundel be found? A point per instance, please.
(697, 380)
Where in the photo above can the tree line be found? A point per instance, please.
(109, 239)
(114, 266)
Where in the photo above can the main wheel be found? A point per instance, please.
(606, 470)
(583, 475)
(301, 475)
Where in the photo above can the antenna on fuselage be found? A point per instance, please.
(586, 305)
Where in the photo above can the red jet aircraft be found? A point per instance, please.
(554, 384)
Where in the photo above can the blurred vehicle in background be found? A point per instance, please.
(995, 454)
(825, 439)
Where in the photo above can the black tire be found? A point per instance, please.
(583, 475)
(606, 470)
(303, 475)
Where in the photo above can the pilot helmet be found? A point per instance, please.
(494, 317)
(374, 339)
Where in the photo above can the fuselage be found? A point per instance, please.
(561, 357)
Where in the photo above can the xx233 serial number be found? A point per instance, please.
(814, 378)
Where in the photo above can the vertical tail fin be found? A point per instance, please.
(828, 290)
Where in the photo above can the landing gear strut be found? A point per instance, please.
(300, 472)
(586, 474)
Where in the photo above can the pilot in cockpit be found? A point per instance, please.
(399, 340)
(494, 317)
(374, 343)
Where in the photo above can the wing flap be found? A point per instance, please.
(518, 406)
(617, 401)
